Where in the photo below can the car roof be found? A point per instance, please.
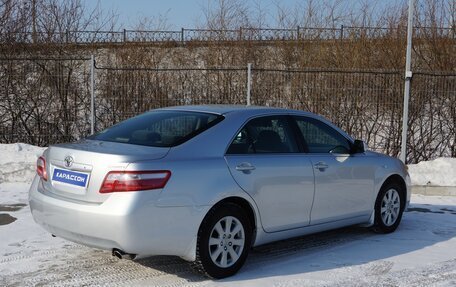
(225, 109)
(249, 111)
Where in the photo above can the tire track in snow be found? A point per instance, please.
(77, 265)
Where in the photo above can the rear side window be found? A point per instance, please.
(270, 134)
(159, 128)
(321, 138)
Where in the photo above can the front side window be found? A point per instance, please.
(270, 134)
(321, 138)
(159, 128)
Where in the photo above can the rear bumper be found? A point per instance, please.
(128, 221)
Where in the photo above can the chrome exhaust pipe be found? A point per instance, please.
(122, 255)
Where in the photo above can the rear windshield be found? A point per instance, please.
(159, 128)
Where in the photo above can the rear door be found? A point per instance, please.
(344, 182)
(264, 159)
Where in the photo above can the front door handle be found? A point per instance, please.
(245, 167)
(321, 166)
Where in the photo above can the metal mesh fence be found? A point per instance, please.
(432, 117)
(122, 93)
(220, 35)
(368, 105)
(44, 101)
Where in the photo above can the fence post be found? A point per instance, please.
(341, 32)
(408, 78)
(249, 82)
(124, 35)
(92, 94)
(297, 33)
(240, 33)
(67, 35)
(182, 35)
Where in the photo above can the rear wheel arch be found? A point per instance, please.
(245, 205)
(238, 209)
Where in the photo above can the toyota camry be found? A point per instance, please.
(207, 183)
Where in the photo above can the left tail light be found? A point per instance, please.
(41, 168)
(120, 181)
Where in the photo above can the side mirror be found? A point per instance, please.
(359, 146)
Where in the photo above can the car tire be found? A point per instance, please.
(389, 208)
(221, 249)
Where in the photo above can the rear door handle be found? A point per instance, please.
(321, 166)
(245, 167)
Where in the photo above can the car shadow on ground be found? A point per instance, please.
(333, 249)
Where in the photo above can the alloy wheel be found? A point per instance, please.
(390, 207)
(226, 241)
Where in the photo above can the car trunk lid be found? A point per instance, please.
(76, 170)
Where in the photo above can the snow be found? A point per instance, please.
(17, 169)
(18, 162)
(437, 172)
(422, 252)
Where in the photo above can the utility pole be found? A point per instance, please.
(408, 78)
(249, 82)
(34, 38)
(452, 16)
(92, 94)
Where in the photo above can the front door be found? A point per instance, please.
(344, 182)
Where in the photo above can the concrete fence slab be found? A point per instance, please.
(434, 190)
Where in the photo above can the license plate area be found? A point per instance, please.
(70, 177)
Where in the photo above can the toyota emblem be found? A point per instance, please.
(68, 161)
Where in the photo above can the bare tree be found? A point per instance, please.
(225, 14)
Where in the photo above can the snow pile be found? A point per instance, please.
(18, 162)
(439, 172)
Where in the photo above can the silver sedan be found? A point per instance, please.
(207, 183)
